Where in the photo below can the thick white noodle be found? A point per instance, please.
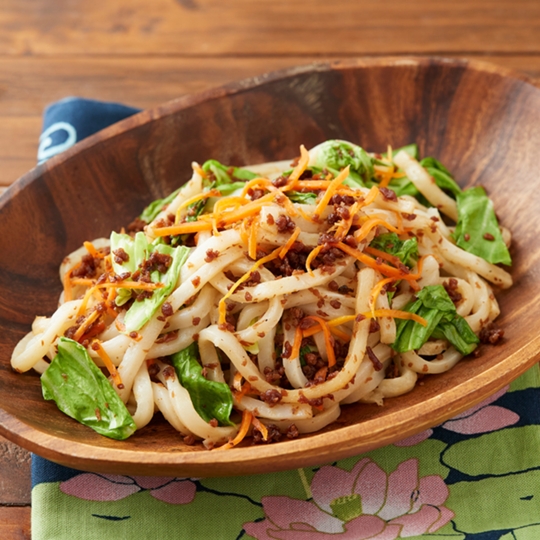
(280, 411)
(293, 369)
(184, 318)
(426, 184)
(361, 386)
(399, 385)
(142, 391)
(317, 422)
(163, 402)
(37, 347)
(412, 361)
(183, 406)
(183, 339)
(454, 254)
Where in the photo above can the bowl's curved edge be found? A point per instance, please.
(347, 440)
(190, 100)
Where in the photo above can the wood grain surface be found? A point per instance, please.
(145, 53)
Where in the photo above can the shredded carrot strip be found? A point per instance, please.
(295, 351)
(399, 219)
(289, 243)
(340, 334)
(366, 228)
(257, 424)
(68, 282)
(298, 170)
(245, 389)
(194, 199)
(198, 169)
(376, 291)
(237, 381)
(215, 231)
(252, 243)
(89, 292)
(244, 428)
(250, 209)
(244, 235)
(227, 202)
(341, 320)
(313, 184)
(383, 169)
(313, 254)
(346, 224)
(256, 182)
(110, 303)
(111, 368)
(93, 251)
(397, 314)
(289, 206)
(85, 325)
(384, 269)
(245, 277)
(327, 339)
(383, 255)
(67, 286)
(315, 329)
(387, 175)
(371, 196)
(304, 215)
(323, 203)
(184, 228)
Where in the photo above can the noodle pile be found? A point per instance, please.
(292, 304)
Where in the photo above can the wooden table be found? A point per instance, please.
(144, 53)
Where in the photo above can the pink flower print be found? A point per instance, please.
(363, 504)
(481, 418)
(112, 487)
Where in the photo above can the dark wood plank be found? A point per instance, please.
(244, 27)
(14, 474)
(28, 84)
(15, 523)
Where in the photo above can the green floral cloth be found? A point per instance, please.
(475, 477)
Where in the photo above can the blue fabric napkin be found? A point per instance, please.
(475, 477)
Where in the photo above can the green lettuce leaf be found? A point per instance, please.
(476, 218)
(211, 399)
(154, 208)
(458, 333)
(140, 312)
(138, 250)
(81, 391)
(302, 198)
(226, 179)
(435, 306)
(391, 243)
(335, 155)
(443, 177)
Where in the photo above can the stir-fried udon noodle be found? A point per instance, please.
(292, 289)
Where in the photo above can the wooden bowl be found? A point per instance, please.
(481, 121)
